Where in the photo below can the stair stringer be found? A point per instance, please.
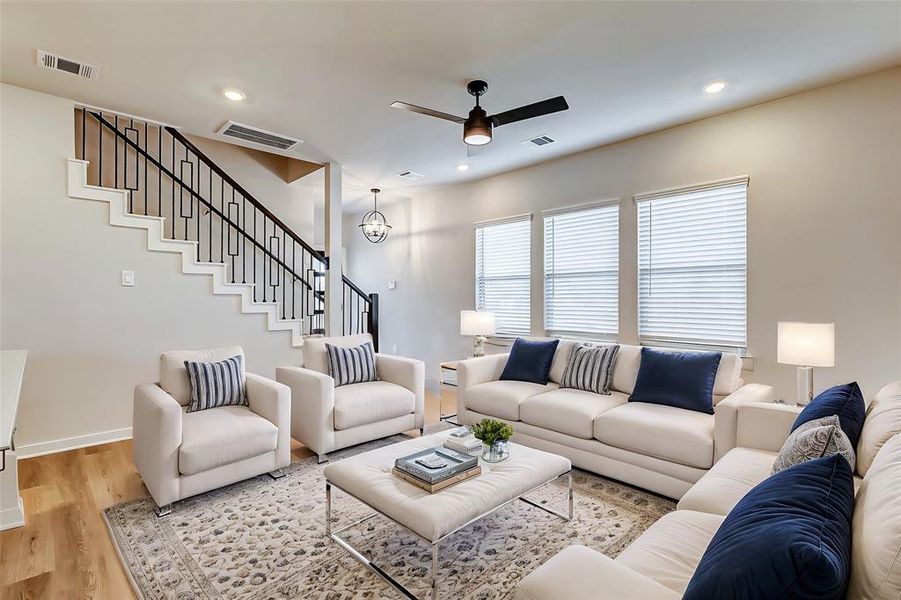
(157, 242)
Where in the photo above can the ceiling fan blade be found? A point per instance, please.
(545, 107)
(426, 111)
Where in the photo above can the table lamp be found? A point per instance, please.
(807, 345)
(477, 323)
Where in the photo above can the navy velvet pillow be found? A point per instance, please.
(844, 401)
(789, 537)
(680, 379)
(530, 361)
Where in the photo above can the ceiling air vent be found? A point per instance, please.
(411, 175)
(262, 137)
(538, 142)
(67, 65)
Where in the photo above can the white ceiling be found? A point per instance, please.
(326, 72)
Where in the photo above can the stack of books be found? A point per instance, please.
(462, 440)
(436, 468)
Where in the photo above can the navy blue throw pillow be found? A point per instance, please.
(680, 379)
(530, 361)
(844, 401)
(789, 537)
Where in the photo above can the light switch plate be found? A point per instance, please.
(392, 285)
(128, 278)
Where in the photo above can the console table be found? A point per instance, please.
(12, 368)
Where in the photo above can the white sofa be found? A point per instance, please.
(661, 562)
(180, 454)
(325, 418)
(655, 447)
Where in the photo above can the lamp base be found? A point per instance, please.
(805, 385)
(478, 346)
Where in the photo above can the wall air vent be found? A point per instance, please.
(259, 136)
(411, 175)
(539, 142)
(67, 65)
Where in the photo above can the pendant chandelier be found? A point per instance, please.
(374, 225)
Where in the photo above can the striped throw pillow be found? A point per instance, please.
(351, 365)
(590, 368)
(216, 384)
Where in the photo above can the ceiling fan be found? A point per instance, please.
(478, 126)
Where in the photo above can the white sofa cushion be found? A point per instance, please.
(674, 434)
(501, 399)
(315, 356)
(580, 573)
(221, 436)
(733, 476)
(876, 528)
(174, 377)
(669, 550)
(371, 402)
(883, 420)
(568, 411)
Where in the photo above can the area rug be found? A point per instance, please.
(265, 539)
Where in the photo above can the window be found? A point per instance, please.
(692, 266)
(503, 252)
(581, 271)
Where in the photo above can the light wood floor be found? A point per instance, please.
(64, 550)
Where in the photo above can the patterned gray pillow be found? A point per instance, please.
(814, 439)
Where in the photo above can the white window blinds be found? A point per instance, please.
(503, 273)
(692, 266)
(581, 271)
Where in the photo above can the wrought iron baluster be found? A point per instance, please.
(210, 221)
(293, 272)
(221, 222)
(199, 210)
(173, 189)
(145, 169)
(254, 256)
(244, 245)
(116, 154)
(100, 151)
(159, 172)
(265, 263)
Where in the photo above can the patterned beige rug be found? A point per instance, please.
(265, 539)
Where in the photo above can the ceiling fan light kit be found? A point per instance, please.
(374, 224)
(477, 128)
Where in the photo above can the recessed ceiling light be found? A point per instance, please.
(463, 167)
(234, 95)
(714, 87)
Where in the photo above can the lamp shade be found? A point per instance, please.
(476, 322)
(806, 344)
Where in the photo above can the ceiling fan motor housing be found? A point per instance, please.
(477, 128)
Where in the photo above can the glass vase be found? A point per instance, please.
(496, 451)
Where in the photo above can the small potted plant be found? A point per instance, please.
(495, 435)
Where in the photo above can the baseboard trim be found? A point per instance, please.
(12, 517)
(73, 443)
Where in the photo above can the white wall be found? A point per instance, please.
(824, 227)
(91, 341)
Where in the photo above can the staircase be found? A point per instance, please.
(154, 178)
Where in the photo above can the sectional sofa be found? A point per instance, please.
(655, 447)
(660, 563)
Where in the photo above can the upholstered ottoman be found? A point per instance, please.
(433, 517)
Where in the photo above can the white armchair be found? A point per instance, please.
(180, 454)
(325, 418)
